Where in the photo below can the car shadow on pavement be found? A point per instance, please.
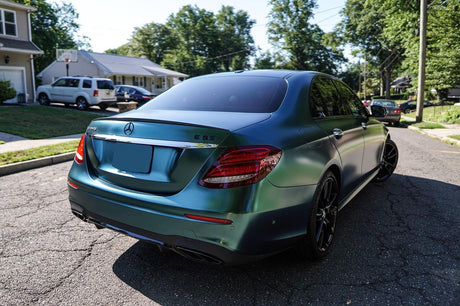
(397, 243)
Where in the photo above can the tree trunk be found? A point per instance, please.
(387, 84)
(382, 81)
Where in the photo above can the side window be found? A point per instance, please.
(86, 83)
(325, 100)
(73, 82)
(349, 99)
(60, 82)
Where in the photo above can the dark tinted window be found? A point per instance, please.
(86, 83)
(104, 84)
(347, 97)
(325, 101)
(223, 94)
(72, 82)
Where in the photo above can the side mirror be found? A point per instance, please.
(378, 111)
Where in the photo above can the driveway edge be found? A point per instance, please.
(35, 163)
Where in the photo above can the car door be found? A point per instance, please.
(343, 129)
(373, 133)
(57, 90)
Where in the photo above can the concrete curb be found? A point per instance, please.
(448, 140)
(35, 163)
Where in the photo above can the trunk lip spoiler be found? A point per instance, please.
(153, 142)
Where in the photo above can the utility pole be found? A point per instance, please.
(421, 65)
(359, 80)
(365, 95)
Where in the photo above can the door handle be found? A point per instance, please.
(337, 133)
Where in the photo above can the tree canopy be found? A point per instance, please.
(303, 45)
(387, 34)
(196, 41)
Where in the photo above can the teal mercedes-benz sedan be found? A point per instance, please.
(231, 167)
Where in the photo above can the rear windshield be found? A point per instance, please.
(384, 103)
(104, 84)
(223, 94)
(144, 91)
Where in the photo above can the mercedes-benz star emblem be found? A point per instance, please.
(129, 128)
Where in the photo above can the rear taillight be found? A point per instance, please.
(397, 111)
(79, 155)
(95, 93)
(241, 166)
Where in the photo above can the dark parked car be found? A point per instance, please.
(392, 113)
(411, 105)
(231, 167)
(133, 93)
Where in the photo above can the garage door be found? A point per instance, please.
(16, 78)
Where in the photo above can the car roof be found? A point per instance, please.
(284, 74)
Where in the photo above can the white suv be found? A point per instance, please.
(82, 91)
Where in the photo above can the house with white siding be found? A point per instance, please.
(138, 71)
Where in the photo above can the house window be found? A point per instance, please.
(123, 79)
(145, 81)
(7, 22)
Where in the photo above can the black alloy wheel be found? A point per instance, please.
(43, 99)
(389, 161)
(82, 104)
(322, 221)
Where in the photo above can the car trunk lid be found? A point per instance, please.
(160, 153)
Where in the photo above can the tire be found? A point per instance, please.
(389, 161)
(407, 111)
(43, 99)
(82, 104)
(395, 123)
(103, 106)
(322, 220)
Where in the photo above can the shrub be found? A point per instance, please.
(452, 115)
(6, 92)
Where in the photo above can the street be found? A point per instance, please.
(397, 243)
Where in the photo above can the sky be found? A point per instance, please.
(110, 23)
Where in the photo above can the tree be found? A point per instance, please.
(153, 40)
(363, 26)
(122, 50)
(443, 41)
(300, 42)
(54, 27)
(235, 40)
(265, 61)
(6, 91)
(206, 43)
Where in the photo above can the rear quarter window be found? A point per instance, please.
(86, 83)
(105, 84)
(224, 94)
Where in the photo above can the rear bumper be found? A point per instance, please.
(250, 237)
(184, 246)
(392, 118)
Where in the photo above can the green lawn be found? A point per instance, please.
(38, 122)
(29, 154)
(442, 114)
(428, 125)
